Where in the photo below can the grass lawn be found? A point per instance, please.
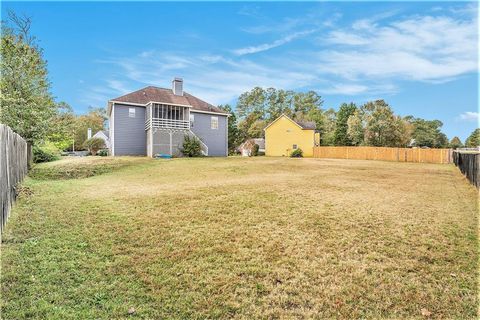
(242, 238)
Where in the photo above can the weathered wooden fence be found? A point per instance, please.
(385, 153)
(13, 168)
(469, 165)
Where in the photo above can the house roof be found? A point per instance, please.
(249, 143)
(162, 95)
(305, 125)
(104, 132)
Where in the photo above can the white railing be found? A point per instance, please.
(204, 147)
(167, 124)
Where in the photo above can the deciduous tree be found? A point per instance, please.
(427, 133)
(94, 119)
(26, 104)
(62, 127)
(327, 128)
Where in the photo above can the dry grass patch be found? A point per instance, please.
(82, 167)
(246, 238)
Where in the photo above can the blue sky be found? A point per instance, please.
(421, 58)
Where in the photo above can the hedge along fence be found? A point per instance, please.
(13, 168)
(469, 165)
(385, 153)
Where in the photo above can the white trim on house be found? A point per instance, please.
(96, 135)
(170, 104)
(100, 134)
(149, 102)
(226, 138)
(167, 103)
(211, 112)
(131, 103)
(284, 115)
(150, 147)
(112, 124)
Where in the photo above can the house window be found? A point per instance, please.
(214, 123)
(295, 147)
(131, 112)
(192, 119)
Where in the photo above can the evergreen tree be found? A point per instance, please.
(473, 140)
(456, 143)
(340, 137)
(233, 133)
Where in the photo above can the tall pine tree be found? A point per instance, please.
(340, 136)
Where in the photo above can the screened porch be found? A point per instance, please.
(166, 116)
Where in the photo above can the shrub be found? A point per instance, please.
(191, 147)
(255, 150)
(45, 152)
(103, 153)
(94, 144)
(297, 153)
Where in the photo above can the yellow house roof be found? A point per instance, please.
(304, 125)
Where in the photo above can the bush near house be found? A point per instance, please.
(191, 147)
(45, 152)
(93, 145)
(103, 153)
(297, 153)
(255, 149)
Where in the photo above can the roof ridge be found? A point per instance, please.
(159, 94)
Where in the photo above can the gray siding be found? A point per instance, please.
(215, 139)
(129, 133)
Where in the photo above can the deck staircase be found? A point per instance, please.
(176, 141)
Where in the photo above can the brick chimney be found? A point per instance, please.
(177, 86)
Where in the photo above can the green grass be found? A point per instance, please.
(243, 238)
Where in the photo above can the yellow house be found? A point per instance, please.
(284, 135)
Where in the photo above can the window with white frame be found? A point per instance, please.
(131, 112)
(295, 147)
(192, 119)
(214, 122)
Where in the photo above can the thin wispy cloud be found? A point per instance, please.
(365, 57)
(469, 116)
(274, 44)
(422, 48)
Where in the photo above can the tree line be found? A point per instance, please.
(371, 124)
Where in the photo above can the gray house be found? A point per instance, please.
(155, 120)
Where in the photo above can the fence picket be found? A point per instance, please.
(469, 165)
(384, 153)
(13, 168)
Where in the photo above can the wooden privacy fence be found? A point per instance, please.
(385, 153)
(469, 165)
(13, 168)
